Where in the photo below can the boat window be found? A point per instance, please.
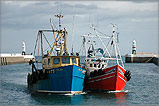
(45, 62)
(102, 65)
(99, 66)
(87, 59)
(66, 60)
(48, 61)
(56, 60)
(95, 65)
(74, 61)
(90, 65)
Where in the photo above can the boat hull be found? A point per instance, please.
(67, 79)
(112, 79)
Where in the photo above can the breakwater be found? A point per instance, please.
(7, 59)
(142, 59)
(13, 60)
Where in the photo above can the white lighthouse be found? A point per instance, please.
(23, 48)
(134, 47)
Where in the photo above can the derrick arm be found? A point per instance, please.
(53, 45)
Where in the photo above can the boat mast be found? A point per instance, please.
(59, 16)
(118, 48)
(60, 39)
(52, 28)
(114, 43)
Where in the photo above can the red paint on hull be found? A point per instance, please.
(112, 79)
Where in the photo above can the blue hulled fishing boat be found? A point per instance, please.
(59, 72)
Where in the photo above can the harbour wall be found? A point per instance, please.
(13, 60)
(131, 59)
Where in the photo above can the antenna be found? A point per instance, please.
(59, 16)
(113, 25)
(97, 20)
(117, 34)
(72, 34)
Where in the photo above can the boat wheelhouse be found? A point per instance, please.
(60, 61)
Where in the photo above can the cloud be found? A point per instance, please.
(25, 11)
(29, 15)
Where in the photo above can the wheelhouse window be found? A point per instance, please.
(48, 61)
(56, 60)
(95, 65)
(66, 60)
(45, 62)
(74, 61)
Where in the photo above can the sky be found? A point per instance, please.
(136, 20)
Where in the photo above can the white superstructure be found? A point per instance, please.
(103, 55)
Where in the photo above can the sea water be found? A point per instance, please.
(142, 89)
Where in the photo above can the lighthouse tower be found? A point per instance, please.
(23, 48)
(134, 47)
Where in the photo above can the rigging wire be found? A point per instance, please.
(46, 40)
(47, 48)
(48, 43)
(36, 44)
(54, 25)
(73, 25)
(38, 50)
(99, 31)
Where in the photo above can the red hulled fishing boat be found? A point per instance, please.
(103, 62)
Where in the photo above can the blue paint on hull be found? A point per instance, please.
(66, 79)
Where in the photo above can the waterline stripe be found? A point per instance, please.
(102, 75)
(45, 91)
(101, 79)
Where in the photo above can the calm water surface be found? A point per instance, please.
(142, 89)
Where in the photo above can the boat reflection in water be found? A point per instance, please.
(111, 98)
(58, 99)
